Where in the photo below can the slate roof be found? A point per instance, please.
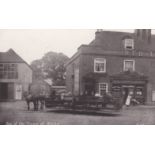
(10, 57)
(113, 43)
(112, 40)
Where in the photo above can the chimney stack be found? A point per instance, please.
(143, 34)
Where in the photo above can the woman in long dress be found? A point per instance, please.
(128, 100)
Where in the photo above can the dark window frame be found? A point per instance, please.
(8, 71)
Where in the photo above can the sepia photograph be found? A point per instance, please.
(77, 76)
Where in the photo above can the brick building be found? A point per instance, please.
(15, 76)
(116, 62)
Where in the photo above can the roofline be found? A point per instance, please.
(114, 32)
(20, 58)
(71, 60)
(120, 55)
(22, 61)
(106, 54)
(75, 55)
(28, 65)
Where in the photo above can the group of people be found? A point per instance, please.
(127, 98)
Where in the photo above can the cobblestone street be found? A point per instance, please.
(16, 113)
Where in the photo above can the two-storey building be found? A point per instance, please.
(116, 62)
(15, 76)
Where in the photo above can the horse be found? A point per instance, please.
(35, 100)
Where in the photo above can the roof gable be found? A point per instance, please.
(11, 57)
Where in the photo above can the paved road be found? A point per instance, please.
(16, 113)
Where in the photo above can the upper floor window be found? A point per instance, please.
(129, 65)
(100, 65)
(8, 71)
(129, 44)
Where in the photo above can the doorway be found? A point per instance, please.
(125, 94)
(6, 91)
(18, 91)
(126, 90)
(3, 91)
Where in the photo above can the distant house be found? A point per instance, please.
(15, 76)
(116, 62)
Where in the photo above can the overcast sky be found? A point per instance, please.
(33, 44)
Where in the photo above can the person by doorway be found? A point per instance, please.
(129, 99)
(125, 94)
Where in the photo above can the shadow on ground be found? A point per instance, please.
(77, 112)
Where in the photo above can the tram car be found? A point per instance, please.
(84, 102)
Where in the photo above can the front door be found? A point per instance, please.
(18, 91)
(126, 90)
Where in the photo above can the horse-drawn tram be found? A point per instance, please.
(41, 96)
(84, 103)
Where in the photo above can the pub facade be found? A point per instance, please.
(115, 62)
